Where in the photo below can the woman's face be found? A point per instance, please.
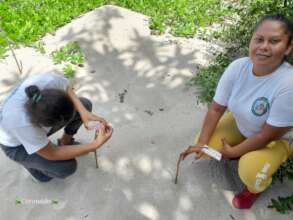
(268, 47)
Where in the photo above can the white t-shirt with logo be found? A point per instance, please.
(15, 126)
(254, 100)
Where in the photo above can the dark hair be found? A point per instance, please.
(48, 107)
(287, 24)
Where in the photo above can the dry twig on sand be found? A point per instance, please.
(178, 166)
(96, 156)
(19, 64)
(9, 43)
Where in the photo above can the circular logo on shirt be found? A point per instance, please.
(260, 106)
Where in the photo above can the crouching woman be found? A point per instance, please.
(38, 107)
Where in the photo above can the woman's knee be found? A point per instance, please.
(87, 103)
(17, 154)
(255, 171)
(67, 168)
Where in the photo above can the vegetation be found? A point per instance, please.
(282, 204)
(25, 22)
(39, 46)
(71, 52)
(285, 171)
(68, 71)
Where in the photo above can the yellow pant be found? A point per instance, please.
(256, 167)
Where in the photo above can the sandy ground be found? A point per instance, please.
(138, 82)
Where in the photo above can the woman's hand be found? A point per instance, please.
(103, 135)
(85, 115)
(88, 116)
(193, 149)
(227, 151)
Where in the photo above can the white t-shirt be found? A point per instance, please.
(15, 126)
(254, 100)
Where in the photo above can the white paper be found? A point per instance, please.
(212, 153)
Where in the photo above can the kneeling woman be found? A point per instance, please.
(258, 92)
(38, 107)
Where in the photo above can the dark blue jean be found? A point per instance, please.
(42, 169)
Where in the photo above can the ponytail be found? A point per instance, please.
(34, 94)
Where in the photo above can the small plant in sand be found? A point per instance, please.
(39, 46)
(71, 52)
(68, 71)
(283, 204)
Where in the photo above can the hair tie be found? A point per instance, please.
(37, 98)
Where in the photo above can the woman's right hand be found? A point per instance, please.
(103, 134)
(197, 148)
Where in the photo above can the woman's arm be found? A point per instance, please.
(260, 140)
(85, 115)
(52, 152)
(219, 105)
(211, 120)
(76, 102)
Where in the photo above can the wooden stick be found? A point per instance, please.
(19, 65)
(96, 156)
(178, 166)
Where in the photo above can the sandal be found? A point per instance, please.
(245, 199)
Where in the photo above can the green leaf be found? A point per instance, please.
(18, 201)
(54, 201)
(68, 71)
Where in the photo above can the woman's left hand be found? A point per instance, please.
(87, 117)
(227, 151)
